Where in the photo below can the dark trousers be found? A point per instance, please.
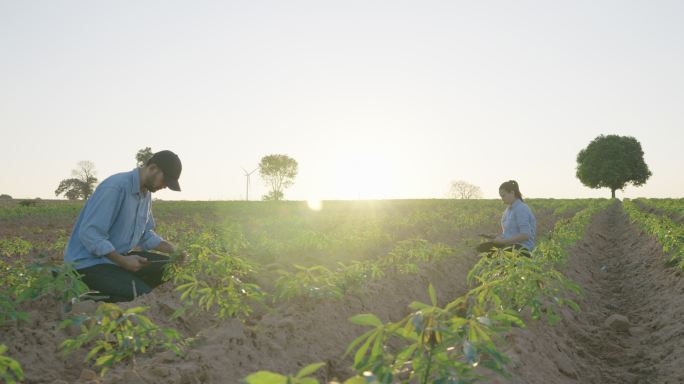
(489, 247)
(118, 284)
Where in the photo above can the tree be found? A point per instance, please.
(279, 172)
(612, 161)
(5, 197)
(143, 155)
(464, 190)
(273, 196)
(82, 183)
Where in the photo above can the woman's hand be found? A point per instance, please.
(511, 240)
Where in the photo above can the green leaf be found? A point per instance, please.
(16, 369)
(356, 380)
(572, 304)
(508, 318)
(309, 369)
(361, 352)
(266, 377)
(457, 322)
(433, 295)
(406, 353)
(367, 319)
(356, 341)
(418, 306)
(178, 312)
(103, 360)
(473, 334)
(93, 352)
(377, 347)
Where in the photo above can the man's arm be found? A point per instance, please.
(165, 247)
(150, 239)
(132, 263)
(103, 207)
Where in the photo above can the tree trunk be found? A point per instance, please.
(612, 191)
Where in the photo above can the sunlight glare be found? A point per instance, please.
(314, 204)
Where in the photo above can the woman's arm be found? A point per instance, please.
(511, 240)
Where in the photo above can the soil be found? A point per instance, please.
(628, 330)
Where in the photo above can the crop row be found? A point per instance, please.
(219, 276)
(669, 233)
(673, 207)
(454, 343)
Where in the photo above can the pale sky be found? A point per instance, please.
(374, 99)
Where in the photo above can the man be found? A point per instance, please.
(117, 219)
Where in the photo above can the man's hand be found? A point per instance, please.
(176, 254)
(179, 256)
(131, 263)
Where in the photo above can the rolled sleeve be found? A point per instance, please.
(98, 219)
(150, 239)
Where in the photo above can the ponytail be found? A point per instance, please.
(512, 186)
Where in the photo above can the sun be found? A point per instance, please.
(365, 175)
(314, 204)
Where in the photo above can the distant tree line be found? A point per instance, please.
(609, 161)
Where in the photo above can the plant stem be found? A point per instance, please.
(429, 365)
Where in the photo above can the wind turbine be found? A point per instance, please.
(248, 174)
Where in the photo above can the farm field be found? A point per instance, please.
(272, 285)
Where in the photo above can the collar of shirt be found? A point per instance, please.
(135, 183)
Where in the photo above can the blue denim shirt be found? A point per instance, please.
(116, 217)
(517, 219)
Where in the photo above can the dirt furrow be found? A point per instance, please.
(630, 327)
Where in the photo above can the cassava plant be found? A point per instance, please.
(215, 282)
(302, 377)
(115, 335)
(10, 369)
(438, 345)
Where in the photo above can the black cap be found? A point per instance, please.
(170, 164)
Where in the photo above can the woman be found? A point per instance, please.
(518, 224)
